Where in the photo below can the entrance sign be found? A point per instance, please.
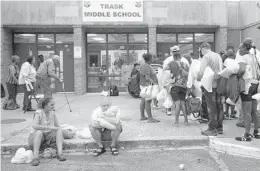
(112, 11)
(77, 52)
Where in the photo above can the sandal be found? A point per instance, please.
(153, 121)
(99, 151)
(114, 151)
(143, 119)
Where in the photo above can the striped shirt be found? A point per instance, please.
(46, 68)
(212, 60)
(12, 70)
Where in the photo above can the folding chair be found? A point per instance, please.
(33, 94)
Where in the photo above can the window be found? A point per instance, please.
(64, 38)
(185, 38)
(96, 38)
(164, 38)
(201, 37)
(138, 38)
(117, 38)
(24, 38)
(45, 38)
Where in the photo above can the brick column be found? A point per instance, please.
(152, 39)
(221, 39)
(80, 78)
(6, 53)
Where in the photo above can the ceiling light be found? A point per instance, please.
(98, 38)
(44, 38)
(27, 35)
(188, 38)
(199, 34)
(91, 35)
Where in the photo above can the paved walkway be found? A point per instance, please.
(133, 128)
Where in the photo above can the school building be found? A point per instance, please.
(99, 41)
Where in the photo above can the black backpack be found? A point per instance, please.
(113, 90)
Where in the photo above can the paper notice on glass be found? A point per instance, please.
(77, 52)
(207, 79)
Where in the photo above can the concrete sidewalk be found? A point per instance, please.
(135, 132)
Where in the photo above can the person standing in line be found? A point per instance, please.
(45, 72)
(147, 77)
(213, 99)
(250, 71)
(12, 84)
(27, 77)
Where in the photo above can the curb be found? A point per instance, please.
(234, 149)
(75, 145)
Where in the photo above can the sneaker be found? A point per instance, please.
(61, 157)
(220, 130)
(234, 116)
(209, 132)
(35, 162)
(256, 134)
(245, 137)
(229, 101)
(168, 113)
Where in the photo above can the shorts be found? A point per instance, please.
(252, 91)
(178, 93)
(48, 140)
(106, 133)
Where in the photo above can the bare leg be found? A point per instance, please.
(115, 135)
(177, 112)
(96, 134)
(254, 114)
(142, 108)
(149, 112)
(59, 141)
(183, 108)
(37, 143)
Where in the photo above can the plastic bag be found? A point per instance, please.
(22, 156)
(69, 131)
(166, 75)
(155, 91)
(207, 79)
(49, 153)
(168, 103)
(146, 92)
(160, 78)
(84, 134)
(161, 96)
(232, 65)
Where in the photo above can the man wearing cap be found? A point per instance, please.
(45, 72)
(105, 126)
(213, 99)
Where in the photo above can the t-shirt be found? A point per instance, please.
(180, 73)
(46, 68)
(146, 69)
(170, 58)
(252, 71)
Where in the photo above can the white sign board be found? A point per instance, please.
(77, 52)
(112, 11)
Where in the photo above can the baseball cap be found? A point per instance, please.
(175, 49)
(56, 57)
(205, 45)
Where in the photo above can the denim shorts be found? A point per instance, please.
(252, 91)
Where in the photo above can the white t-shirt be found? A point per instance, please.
(252, 69)
(170, 58)
(27, 73)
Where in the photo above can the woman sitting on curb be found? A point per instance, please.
(46, 131)
(105, 126)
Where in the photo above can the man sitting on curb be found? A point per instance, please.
(105, 126)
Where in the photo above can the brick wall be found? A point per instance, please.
(80, 78)
(6, 53)
(152, 40)
(221, 39)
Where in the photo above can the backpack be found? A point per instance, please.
(113, 90)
